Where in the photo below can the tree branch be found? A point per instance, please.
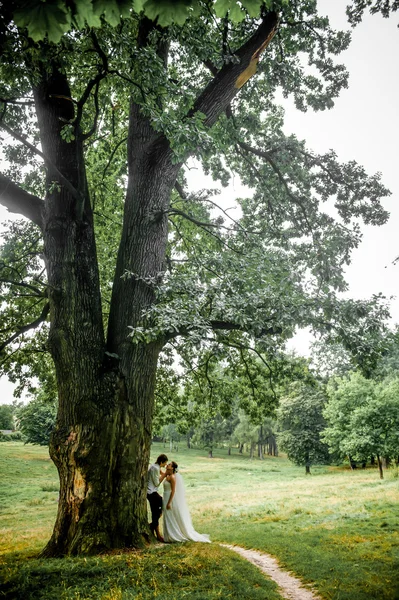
(25, 328)
(217, 325)
(29, 286)
(18, 201)
(268, 158)
(179, 189)
(203, 226)
(67, 184)
(122, 141)
(176, 211)
(15, 101)
(224, 87)
(93, 128)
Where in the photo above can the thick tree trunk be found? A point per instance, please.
(102, 438)
(102, 461)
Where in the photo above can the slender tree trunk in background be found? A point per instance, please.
(260, 452)
(307, 464)
(380, 466)
(272, 446)
(229, 451)
(352, 463)
(252, 450)
(240, 448)
(210, 453)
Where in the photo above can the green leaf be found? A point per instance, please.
(252, 7)
(138, 5)
(51, 18)
(221, 7)
(84, 13)
(111, 10)
(237, 14)
(168, 11)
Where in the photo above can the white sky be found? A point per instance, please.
(364, 126)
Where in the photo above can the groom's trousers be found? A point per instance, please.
(155, 501)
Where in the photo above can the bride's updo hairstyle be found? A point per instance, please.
(174, 466)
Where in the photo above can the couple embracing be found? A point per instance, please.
(177, 525)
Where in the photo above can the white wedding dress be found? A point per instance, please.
(177, 525)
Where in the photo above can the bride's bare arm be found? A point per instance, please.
(172, 481)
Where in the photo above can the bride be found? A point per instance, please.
(177, 525)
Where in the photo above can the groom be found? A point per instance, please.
(155, 478)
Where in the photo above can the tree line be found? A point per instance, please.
(316, 418)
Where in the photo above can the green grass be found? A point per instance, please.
(336, 529)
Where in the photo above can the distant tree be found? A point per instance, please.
(363, 419)
(301, 422)
(269, 438)
(246, 432)
(37, 419)
(170, 433)
(330, 360)
(209, 433)
(6, 416)
(388, 364)
(345, 394)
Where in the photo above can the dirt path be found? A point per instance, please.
(290, 587)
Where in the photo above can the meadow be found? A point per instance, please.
(336, 529)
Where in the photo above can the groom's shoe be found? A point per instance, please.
(152, 529)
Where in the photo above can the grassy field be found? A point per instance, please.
(336, 529)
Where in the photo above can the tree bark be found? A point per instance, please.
(102, 438)
(21, 202)
(98, 447)
(252, 450)
(260, 443)
(380, 466)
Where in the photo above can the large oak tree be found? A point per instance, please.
(98, 124)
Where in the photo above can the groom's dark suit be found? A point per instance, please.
(153, 497)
